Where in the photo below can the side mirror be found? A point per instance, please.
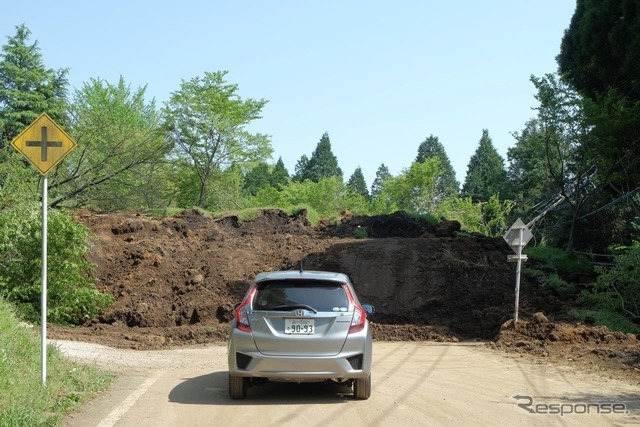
(370, 309)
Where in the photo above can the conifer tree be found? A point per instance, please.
(382, 174)
(446, 183)
(27, 87)
(279, 175)
(322, 163)
(357, 184)
(486, 175)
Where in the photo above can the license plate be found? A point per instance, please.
(299, 326)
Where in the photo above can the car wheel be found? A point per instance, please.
(362, 388)
(238, 387)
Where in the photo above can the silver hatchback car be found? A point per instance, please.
(300, 326)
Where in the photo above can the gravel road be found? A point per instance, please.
(414, 384)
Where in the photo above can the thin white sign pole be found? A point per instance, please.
(43, 302)
(518, 267)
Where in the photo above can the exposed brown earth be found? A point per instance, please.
(177, 279)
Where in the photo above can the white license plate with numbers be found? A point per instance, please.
(299, 326)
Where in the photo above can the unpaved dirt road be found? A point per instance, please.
(413, 384)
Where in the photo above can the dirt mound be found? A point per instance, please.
(595, 346)
(176, 280)
(398, 224)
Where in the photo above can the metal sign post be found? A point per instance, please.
(518, 269)
(517, 237)
(44, 144)
(43, 297)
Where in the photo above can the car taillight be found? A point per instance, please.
(241, 312)
(359, 315)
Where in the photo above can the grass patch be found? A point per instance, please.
(452, 260)
(549, 266)
(24, 401)
(559, 260)
(243, 215)
(553, 280)
(430, 218)
(615, 322)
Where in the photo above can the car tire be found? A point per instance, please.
(362, 388)
(238, 387)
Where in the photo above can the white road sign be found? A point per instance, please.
(512, 236)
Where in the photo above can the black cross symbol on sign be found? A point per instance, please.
(44, 144)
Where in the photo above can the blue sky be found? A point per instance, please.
(378, 76)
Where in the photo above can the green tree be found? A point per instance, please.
(301, 168)
(414, 189)
(599, 58)
(357, 185)
(257, 178)
(564, 128)
(618, 288)
(279, 175)
(27, 87)
(446, 183)
(206, 120)
(529, 163)
(325, 198)
(119, 144)
(227, 193)
(600, 48)
(18, 182)
(486, 174)
(322, 163)
(465, 211)
(382, 174)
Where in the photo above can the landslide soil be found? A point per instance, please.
(175, 281)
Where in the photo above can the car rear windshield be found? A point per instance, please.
(292, 294)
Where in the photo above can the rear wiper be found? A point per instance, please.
(291, 307)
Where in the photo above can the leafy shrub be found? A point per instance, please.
(361, 233)
(72, 296)
(618, 288)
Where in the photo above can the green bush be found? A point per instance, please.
(72, 296)
(618, 288)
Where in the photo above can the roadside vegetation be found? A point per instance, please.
(601, 295)
(573, 171)
(24, 401)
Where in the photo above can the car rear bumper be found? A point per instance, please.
(354, 361)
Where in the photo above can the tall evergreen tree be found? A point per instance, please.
(599, 57)
(529, 163)
(600, 48)
(27, 87)
(382, 174)
(357, 184)
(446, 183)
(299, 174)
(486, 175)
(322, 163)
(257, 179)
(279, 175)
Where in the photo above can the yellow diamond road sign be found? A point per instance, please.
(44, 143)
